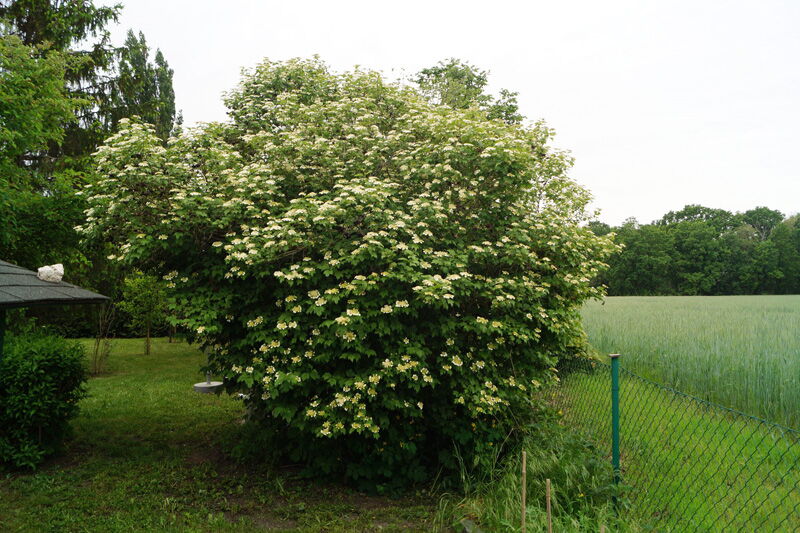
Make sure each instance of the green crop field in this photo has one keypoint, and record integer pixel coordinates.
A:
(740, 351)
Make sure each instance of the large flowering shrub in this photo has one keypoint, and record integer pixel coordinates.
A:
(386, 280)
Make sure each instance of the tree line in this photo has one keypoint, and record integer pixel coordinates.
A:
(704, 251)
(64, 88)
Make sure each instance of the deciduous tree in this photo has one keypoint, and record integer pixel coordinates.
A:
(34, 108)
(459, 85)
(763, 219)
(145, 301)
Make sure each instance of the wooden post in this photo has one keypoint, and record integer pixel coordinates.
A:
(3, 331)
(602, 528)
(549, 512)
(524, 488)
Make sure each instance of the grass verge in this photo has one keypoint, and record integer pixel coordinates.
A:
(581, 488)
(689, 466)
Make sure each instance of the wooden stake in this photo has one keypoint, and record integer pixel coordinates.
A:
(602, 528)
(524, 487)
(549, 513)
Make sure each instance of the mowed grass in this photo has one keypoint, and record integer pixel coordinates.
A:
(740, 351)
(687, 466)
(146, 456)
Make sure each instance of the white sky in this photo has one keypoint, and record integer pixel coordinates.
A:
(661, 103)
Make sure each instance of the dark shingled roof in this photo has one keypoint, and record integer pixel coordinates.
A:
(20, 287)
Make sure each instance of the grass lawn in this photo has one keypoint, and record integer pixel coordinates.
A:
(146, 456)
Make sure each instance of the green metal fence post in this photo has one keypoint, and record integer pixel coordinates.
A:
(615, 416)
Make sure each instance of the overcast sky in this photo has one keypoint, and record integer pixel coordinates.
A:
(662, 103)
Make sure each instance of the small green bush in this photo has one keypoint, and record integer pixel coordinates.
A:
(145, 301)
(41, 381)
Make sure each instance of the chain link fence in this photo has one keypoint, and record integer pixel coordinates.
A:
(686, 464)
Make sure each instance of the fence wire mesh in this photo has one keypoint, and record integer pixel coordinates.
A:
(687, 464)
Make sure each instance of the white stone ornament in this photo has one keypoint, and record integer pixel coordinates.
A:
(52, 273)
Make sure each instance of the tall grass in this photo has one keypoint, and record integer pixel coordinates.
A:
(582, 489)
(739, 351)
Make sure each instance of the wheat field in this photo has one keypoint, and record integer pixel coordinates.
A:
(740, 351)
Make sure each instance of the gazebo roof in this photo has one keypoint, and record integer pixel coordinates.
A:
(20, 287)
